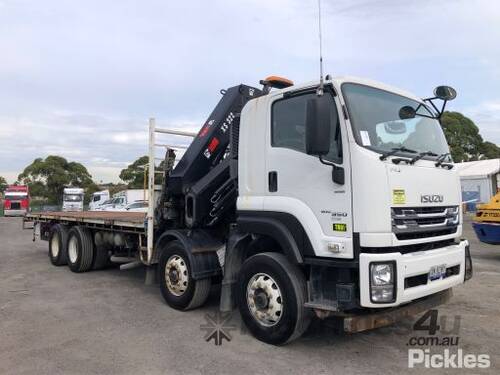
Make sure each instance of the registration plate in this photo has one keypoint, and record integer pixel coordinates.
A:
(437, 272)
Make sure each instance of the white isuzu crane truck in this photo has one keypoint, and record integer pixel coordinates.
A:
(335, 199)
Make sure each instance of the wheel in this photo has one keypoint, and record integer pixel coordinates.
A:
(58, 253)
(177, 286)
(101, 257)
(80, 249)
(271, 297)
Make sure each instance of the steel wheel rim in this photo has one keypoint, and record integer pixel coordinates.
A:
(176, 275)
(264, 299)
(72, 250)
(54, 245)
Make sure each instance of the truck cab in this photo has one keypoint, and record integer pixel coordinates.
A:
(16, 200)
(98, 198)
(73, 199)
(379, 200)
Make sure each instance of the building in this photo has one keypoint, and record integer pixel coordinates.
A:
(479, 180)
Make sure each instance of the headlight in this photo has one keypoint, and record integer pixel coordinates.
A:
(381, 274)
(382, 284)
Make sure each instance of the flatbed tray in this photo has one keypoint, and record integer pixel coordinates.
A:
(106, 218)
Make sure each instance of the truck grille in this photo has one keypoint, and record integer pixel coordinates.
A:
(423, 222)
(15, 205)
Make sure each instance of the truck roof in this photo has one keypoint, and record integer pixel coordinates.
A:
(73, 190)
(338, 81)
(101, 192)
(17, 188)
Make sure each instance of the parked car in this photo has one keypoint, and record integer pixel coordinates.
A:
(137, 206)
(113, 204)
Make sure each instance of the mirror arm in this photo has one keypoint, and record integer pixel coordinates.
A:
(419, 115)
(442, 109)
(338, 174)
(439, 112)
(326, 162)
(430, 100)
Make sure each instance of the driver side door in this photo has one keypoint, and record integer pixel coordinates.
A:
(300, 184)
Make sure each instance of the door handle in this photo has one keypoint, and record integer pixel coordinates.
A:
(273, 181)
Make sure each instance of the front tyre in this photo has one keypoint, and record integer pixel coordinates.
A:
(271, 297)
(177, 285)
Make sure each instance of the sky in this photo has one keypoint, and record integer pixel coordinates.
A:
(80, 79)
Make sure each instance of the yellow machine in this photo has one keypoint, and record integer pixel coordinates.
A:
(487, 221)
(489, 212)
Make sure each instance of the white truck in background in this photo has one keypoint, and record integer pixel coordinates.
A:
(121, 199)
(73, 199)
(98, 199)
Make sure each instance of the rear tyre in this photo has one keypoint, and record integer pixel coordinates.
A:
(271, 297)
(58, 253)
(80, 249)
(177, 286)
(101, 260)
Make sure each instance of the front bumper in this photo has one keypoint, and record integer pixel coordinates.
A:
(413, 264)
(363, 322)
(20, 212)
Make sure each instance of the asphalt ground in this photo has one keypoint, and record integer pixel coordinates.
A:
(53, 321)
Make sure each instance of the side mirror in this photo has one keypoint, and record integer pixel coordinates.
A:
(318, 125)
(445, 93)
(407, 112)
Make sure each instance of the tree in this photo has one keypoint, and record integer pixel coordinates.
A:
(134, 175)
(490, 151)
(3, 184)
(466, 144)
(462, 136)
(48, 177)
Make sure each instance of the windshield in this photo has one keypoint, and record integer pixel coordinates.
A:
(11, 197)
(377, 126)
(73, 197)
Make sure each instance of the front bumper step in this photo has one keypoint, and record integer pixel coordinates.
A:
(363, 322)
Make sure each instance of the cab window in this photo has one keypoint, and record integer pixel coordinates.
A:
(289, 125)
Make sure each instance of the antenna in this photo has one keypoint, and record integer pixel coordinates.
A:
(320, 90)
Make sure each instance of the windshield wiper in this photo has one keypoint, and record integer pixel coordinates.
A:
(441, 158)
(440, 161)
(421, 155)
(395, 150)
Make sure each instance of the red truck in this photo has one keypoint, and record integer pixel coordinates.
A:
(16, 201)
